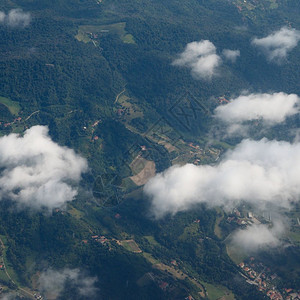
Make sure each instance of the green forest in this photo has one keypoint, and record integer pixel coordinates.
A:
(99, 74)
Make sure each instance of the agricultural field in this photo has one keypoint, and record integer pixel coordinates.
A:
(100, 75)
(127, 108)
(143, 170)
(236, 255)
(152, 241)
(131, 246)
(93, 33)
(13, 106)
(215, 292)
(218, 229)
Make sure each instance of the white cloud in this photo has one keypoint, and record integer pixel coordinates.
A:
(52, 283)
(259, 172)
(231, 55)
(36, 172)
(8, 296)
(201, 58)
(258, 237)
(271, 109)
(277, 45)
(2, 17)
(15, 18)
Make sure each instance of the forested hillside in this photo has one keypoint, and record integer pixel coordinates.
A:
(101, 75)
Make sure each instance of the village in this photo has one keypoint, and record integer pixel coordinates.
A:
(240, 219)
(256, 273)
(7, 124)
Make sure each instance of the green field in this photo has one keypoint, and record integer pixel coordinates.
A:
(295, 236)
(150, 258)
(215, 292)
(13, 106)
(75, 212)
(8, 266)
(218, 229)
(152, 240)
(128, 39)
(190, 231)
(3, 276)
(131, 106)
(235, 255)
(131, 246)
(273, 4)
(83, 34)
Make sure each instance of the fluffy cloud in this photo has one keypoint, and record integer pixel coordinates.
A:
(52, 283)
(15, 18)
(231, 55)
(258, 237)
(269, 108)
(2, 16)
(277, 45)
(201, 58)
(259, 172)
(8, 296)
(36, 172)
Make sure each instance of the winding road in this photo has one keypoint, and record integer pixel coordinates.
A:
(8, 276)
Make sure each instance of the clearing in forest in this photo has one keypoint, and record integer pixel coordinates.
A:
(13, 106)
(90, 33)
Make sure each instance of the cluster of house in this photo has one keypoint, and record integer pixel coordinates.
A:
(17, 120)
(291, 294)
(93, 35)
(237, 218)
(199, 151)
(96, 123)
(93, 125)
(94, 137)
(100, 239)
(160, 281)
(265, 281)
(123, 111)
(196, 149)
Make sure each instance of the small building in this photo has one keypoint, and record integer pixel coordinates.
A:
(163, 285)
(174, 262)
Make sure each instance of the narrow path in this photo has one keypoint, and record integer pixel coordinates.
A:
(35, 112)
(256, 279)
(8, 276)
(118, 96)
(2, 244)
